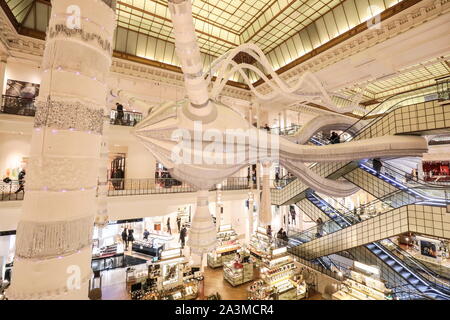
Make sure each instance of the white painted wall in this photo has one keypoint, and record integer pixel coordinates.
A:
(22, 71)
(13, 148)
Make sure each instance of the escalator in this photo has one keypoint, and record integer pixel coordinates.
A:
(425, 281)
(428, 193)
(387, 123)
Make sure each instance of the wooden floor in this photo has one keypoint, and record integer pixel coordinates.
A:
(214, 283)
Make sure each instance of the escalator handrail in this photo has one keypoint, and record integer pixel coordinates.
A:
(419, 265)
(418, 276)
(381, 247)
(402, 174)
(349, 212)
(416, 194)
(392, 108)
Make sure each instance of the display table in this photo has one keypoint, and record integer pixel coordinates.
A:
(108, 257)
(277, 273)
(260, 245)
(358, 286)
(151, 248)
(171, 278)
(237, 276)
(108, 262)
(227, 246)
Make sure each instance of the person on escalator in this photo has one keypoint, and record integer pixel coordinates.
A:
(319, 227)
(334, 138)
(377, 165)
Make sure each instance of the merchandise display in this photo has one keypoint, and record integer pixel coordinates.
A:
(259, 150)
(237, 272)
(108, 257)
(260, 244)
(152, 247)
(171, 278)
(278, 278)
(227, 246)
(362, 285)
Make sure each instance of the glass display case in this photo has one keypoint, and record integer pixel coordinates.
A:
(278, 273)
(260, 245)
(358, 286)
(107, 257)
(237, 275)
(152, 247)
(227, 246)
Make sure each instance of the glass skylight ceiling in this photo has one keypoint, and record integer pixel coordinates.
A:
(284, 29)
(410, 78)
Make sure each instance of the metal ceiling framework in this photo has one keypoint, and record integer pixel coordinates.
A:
(286, 30)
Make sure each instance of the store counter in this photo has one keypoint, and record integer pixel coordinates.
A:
(237, 276)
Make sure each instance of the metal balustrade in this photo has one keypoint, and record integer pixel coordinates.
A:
(132, 187)
(18, 106)
(26, 107)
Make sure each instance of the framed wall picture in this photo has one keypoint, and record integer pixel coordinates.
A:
(22, 89)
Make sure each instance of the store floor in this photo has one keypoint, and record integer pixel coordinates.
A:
(114, 286)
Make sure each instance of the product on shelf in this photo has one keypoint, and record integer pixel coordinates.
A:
(237, 273)
(152, 247)
(278, 278)
(260, 244)
(108, 257)
(360, 286)
(171, 278)
(227, 246)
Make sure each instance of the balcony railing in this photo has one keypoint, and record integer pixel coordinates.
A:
(26, 107)
(18, 106)
(132, 187)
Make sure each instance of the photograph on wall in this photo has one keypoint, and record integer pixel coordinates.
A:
(428, 249)
(22, 89)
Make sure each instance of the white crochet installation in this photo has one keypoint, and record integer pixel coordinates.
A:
(192, 128)
(306, 89)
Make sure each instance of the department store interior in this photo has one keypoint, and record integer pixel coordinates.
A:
(230, 150)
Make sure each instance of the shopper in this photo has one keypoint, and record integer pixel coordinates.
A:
(125, 238)
(293, 213)
(179, 224)
(280, 234)
(269, 231)
(169, 230)
(130, 237)
(146, 234)
(183, 234)
(319, 227)
(21, 181)
(266, 127)
(377, 165)
(334, 138)
(284, 237)
(119, 116)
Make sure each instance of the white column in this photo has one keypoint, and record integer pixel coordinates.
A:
(202, 234)
(250, 230)
(54, 234)
(2, 76)
(265, 212)
(285, 118)
(218, 206)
